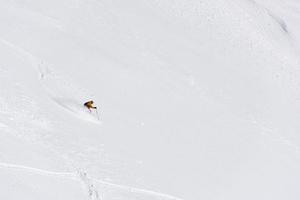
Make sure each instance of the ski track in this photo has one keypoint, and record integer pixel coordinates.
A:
(33, 60)
(88, 184)
(77, 110)
(36, 170)
(69, 105)
(86, 181)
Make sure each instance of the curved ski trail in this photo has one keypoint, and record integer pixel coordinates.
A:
(94, 187)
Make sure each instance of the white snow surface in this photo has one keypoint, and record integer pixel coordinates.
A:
(197, 99)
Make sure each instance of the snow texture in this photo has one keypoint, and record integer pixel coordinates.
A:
(197, 99)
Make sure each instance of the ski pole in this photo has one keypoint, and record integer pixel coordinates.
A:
(97, 114)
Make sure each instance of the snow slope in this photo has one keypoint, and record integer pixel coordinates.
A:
(197, 99)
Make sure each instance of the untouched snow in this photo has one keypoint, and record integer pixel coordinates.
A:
(196, 99)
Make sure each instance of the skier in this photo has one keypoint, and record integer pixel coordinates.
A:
(89, 105)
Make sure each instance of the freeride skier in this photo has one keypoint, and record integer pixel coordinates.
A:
(89, 105)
